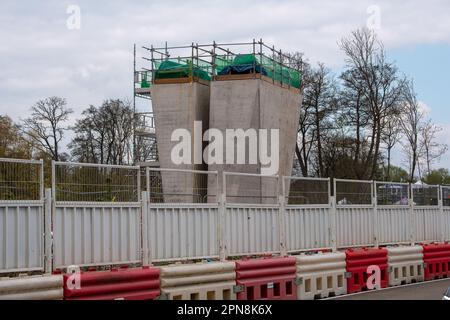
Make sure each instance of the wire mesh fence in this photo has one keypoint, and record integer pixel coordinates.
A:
(79, 182)
(306, 191)
(181, 186)
(353, 192)
(392, 193)
(21, 179)
(243, 188)
(446, 196)
(425, 195)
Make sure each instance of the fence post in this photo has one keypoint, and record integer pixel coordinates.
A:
(412, 220)
(144, 232)
(376, 231)
(282, 225)
(333, 222)
(48, 207)
(221, 227)
(441, 214)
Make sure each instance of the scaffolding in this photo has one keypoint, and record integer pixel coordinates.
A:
(204, 63)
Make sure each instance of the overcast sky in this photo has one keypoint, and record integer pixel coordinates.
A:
(40, 56)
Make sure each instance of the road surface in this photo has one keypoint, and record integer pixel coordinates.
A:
(431, 290)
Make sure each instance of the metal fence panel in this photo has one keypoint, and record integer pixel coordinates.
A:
(21, 234)
(307, 228)
(177, 232)
(427, 222)
(21, 215)
(394, 224)
(181, 186)
(87, 182)
(354, 226)
(252, 229)
(247, 188)
(306, 191)
(93, 234)
(353, 192)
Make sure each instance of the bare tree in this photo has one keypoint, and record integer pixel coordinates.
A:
(45, 125)
(319, 101)
(375, 83)
(104, 134)
(390, 138)
(411, 124)
(430, 149)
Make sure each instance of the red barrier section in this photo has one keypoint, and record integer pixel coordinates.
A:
(267, 279)
(437, 260)
(123, 284)
(357, 263)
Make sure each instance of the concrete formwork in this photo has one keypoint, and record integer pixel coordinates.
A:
(177, 106)
(257, 104)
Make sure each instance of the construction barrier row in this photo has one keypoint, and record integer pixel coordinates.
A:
(304, 277)
(32, 288)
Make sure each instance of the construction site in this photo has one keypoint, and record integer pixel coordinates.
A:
(221, 86)
(213, 230)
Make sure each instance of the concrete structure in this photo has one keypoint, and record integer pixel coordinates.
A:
(177, 106)
(256, 103)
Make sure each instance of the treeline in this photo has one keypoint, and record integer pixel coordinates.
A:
(349, 124)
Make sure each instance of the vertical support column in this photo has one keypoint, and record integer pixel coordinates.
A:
(48, 207)
(144, 231)
(375, 221)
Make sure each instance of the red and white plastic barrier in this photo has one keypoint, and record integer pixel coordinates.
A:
(266, 279)
(118, 284)
(437, 261)
(364, 263)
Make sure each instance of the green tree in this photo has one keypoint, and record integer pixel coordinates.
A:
(12, 143)
(439, 176)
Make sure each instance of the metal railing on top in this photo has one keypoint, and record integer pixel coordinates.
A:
(21, 179)
(83, 182)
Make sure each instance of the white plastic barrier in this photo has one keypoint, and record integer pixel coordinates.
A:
(205, 281)
(321, 275)
(405, 265)
(32, 288)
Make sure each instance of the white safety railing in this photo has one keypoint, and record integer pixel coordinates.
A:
(393, 212)
(355, 220)
(307, 213)
(22, 219)
(96, 214)
(100, 216)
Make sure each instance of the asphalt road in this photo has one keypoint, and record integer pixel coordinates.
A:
(432, 290)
